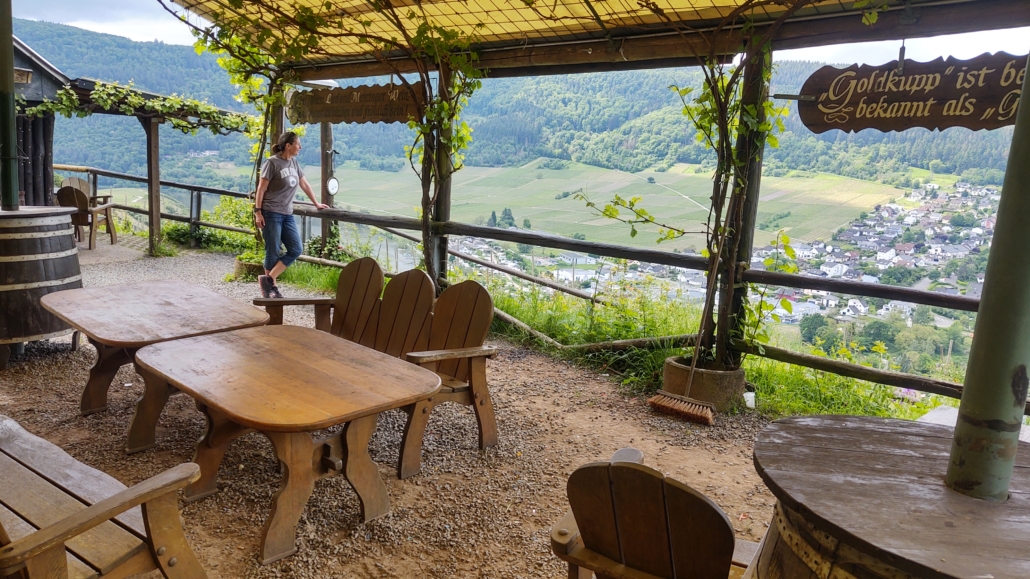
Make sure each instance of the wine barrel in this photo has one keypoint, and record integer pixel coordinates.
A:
(37, 256)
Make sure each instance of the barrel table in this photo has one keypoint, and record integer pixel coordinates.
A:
(864, 498)
(37, 256)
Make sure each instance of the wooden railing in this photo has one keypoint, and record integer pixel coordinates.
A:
(693, 262)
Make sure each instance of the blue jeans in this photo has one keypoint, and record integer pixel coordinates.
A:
(280, 229)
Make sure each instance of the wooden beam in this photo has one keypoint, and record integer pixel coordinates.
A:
(657, 48)
(326, 142)
(151, 126)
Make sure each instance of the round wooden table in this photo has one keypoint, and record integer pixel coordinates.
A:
(862, 497)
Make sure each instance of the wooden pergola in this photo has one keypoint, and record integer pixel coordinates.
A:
(527, 37)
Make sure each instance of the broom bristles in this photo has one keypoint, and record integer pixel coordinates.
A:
(688, 408)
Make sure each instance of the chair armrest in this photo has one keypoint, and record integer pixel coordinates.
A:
(564, 534)
(100, 198)
(262, 302)
(455, 354)
(97, 208)
(168, 481)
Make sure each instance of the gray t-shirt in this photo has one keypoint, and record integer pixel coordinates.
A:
(283, 179)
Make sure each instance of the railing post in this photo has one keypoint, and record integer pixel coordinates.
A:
(94, 182)
(445, 164)
(326, 130)
(195, 203)
(151, 126)
(983, 453)
(8, 140)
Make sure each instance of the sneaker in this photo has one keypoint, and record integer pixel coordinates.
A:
(266, 284)
(274, 292)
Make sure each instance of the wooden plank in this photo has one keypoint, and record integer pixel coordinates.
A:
(407, 301)
(152, 126)
(60, 469)
(700, 534)
(103, 547)
(266, 378)
(17, 528)
(359, 286)
(590, 496)
(639, 497)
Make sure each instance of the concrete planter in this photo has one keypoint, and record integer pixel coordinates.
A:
(723, 388)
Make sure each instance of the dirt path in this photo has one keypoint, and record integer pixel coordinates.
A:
(467, 514)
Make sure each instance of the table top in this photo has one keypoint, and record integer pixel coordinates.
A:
(134, 315)
(879, 485)
(288, 378)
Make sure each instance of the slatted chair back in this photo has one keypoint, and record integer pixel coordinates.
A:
(357, 292)
(76, 182)
(461, 319)
(636, 516)
(72, 197)
(399, 322)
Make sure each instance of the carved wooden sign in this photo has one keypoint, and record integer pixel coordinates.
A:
(982, 93)
(359, 104)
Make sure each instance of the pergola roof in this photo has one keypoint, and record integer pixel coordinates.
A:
(528, 36)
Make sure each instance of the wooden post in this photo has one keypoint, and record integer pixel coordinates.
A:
(445, 164)
(196, 200)
(278, 123)
(38, 157)
(983, 452)
(48, 159)
(8, 150)
(151, 126)
(326, 130)
(751, 146)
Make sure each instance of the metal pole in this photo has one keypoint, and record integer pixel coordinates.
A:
(8, 140)
(983, 453)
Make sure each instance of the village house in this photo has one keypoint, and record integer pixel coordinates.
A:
(834, 269)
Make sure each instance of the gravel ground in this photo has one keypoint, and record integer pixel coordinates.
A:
(469, 513)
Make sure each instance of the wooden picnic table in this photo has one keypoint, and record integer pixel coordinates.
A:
(287, 382)
(118, 320)
(865, 497)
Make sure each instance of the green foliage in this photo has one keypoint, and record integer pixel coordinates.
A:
(526, 224)
(963, 220)
(902, 276)
(810, 325)
(311, 277)
(554, 164)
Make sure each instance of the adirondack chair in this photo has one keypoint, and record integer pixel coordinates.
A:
(460, 321)
(62, 519)
(88, 215)
(630, 521)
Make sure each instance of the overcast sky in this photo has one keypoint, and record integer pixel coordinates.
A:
(146, 20)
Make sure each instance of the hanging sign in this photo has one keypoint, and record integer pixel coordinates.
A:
(982, 93)
(358, 104)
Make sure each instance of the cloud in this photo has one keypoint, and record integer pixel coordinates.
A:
(964, 46)
(142, 20)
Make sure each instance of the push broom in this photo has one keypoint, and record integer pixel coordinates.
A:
(684, 406)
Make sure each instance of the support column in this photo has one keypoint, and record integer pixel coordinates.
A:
(8, 140)
(442, 208)
(991, 413)
(750, 145)
(326, 134)
(151, 126)
(278, 123)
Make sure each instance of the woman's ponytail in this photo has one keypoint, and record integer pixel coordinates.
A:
(287, 138)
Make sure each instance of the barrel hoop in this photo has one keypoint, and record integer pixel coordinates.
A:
(38, 256)
(37, 234)
(34, 285)
(823, 567)
(10, 223)
(37, 337)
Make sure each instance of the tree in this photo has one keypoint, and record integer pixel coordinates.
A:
(877, 331)
(810, 325)
(524, 247)
(507, 219)
(492, 222)
(934, 275)
(923, 315)
(526, 224)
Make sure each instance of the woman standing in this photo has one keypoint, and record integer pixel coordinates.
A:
(273, 210)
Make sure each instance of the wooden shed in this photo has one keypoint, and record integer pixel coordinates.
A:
(35, 80)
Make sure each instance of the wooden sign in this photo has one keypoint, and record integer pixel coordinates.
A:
(982, 93)
(22, 76)
(359, 104)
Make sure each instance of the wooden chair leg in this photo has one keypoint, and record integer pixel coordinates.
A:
(577, 572)
(275, 315)
(168, 543)
(76, 338)
(295, 451)
(110, 227)
(93, 233)
(5, 355)
(410, 461)
(482, 404)
(52, 563)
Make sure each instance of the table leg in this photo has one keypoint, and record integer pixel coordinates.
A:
(143, 429)
(5, 355)
(295, 451)
(211, 450)
(361, 472)
(109, 360)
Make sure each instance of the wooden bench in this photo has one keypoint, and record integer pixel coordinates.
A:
(444, 334)
(60, 518)
(630, 521)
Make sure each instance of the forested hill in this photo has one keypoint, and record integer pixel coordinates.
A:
(624, 120)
